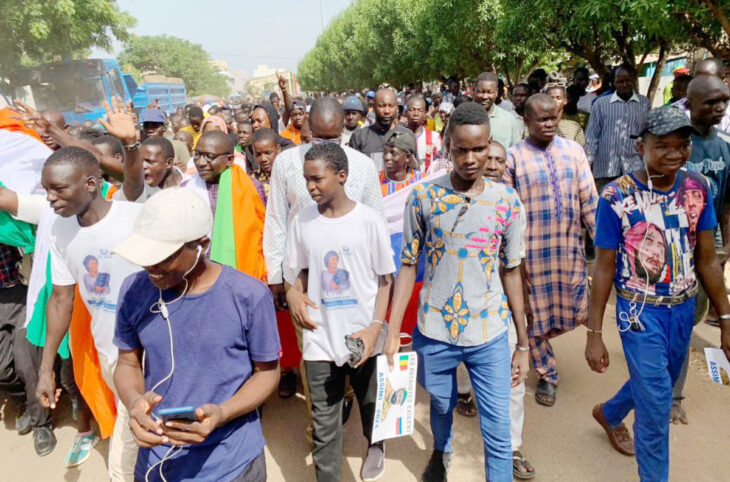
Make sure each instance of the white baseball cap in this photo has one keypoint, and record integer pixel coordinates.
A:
(168, 220)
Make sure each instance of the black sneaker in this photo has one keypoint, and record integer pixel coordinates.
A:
(437, 467)
(44, 440)
(22, 423)
(346, 410)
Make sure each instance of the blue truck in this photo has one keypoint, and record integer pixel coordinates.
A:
(78, 88)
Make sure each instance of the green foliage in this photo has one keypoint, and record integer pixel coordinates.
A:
(401, 41)
(34, 31)
(174, 57)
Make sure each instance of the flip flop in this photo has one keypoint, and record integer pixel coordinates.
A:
(545, 393)
(518, 460)
(465, 405)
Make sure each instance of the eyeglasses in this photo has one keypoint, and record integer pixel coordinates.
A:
(319, 140)
(208, 156)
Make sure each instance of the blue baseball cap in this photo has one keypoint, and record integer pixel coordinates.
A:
(353, 103)
(370, 94)
(154, 115)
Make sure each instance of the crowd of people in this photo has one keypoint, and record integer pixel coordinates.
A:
(147, 263)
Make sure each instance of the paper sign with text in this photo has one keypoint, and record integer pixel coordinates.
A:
(396, 398)
(718, 366)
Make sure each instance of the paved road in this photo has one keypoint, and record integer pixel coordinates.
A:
(563, 442)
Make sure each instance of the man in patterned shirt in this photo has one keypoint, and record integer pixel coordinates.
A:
(553, 180)
(464, 221)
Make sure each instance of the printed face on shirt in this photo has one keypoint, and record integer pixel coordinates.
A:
(665, 154)
(468, 146)
(693, 201)
(651, 255)
(259, 119)
(92, 267)
(485, 93)
(265, 152)
(496, 162)
(69, 190)
(155, 166)
(211, 159)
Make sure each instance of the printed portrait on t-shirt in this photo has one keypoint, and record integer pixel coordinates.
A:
(335, 280)
(692, 195)
(659, 231)
(95, 282)
(646, 249)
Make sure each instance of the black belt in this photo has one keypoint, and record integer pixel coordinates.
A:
(636, 297)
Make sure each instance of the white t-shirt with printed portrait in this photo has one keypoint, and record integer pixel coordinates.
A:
(344, 256)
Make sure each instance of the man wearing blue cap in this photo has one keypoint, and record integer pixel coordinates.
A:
(154, 124)
(654, 235)
(354, 114)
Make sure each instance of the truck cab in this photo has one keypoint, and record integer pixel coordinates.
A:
(77, 88)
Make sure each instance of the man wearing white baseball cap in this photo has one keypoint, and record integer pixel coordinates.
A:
(221, 325)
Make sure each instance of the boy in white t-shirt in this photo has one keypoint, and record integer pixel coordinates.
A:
(81, 240)
(342, 251)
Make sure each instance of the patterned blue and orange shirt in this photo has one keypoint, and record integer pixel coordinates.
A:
(462, 301)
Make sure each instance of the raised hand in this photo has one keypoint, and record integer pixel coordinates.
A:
(282, 81)
(119, 122)
(31, 117)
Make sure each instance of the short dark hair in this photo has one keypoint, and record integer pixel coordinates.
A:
(415, 97)
(534, 99)
(685, 78)
(195, 111)
(114, 144)
(468, 114)
(264, 135)
(626, 68)
(486, 77)
(220, 137)
(332, 154)
(165, 146)
(328, 105)
(88, 134)
(273, 96)
(582, 70)
(77, 157)
(555, 87)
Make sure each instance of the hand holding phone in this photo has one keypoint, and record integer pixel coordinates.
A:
(177, 413)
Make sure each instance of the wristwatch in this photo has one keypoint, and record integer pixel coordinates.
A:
(131, 147)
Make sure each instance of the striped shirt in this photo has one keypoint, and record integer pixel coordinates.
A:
(613, 121)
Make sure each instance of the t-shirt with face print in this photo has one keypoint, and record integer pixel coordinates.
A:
(654, 232)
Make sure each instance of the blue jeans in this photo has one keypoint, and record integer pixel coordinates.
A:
(655, 359)
(489, 367)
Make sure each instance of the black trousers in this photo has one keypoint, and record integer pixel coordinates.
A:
(327, 389)
(19, 360)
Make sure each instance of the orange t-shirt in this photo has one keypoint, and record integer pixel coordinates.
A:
(293, 134)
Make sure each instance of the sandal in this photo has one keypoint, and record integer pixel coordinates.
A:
(287, 385)
(545, 393)
(521, 468)
(677, 414)
(465, 405)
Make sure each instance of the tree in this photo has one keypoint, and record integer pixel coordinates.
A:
(706, 23)
(175, 57)
(36, 31)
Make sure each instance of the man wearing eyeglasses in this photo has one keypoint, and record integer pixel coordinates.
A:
(288, 195)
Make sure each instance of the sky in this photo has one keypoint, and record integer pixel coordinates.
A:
(244, 33)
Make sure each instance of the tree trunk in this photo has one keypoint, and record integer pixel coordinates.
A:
(654, 83)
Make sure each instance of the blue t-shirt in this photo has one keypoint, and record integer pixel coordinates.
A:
(654, 234)
(217, 335)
